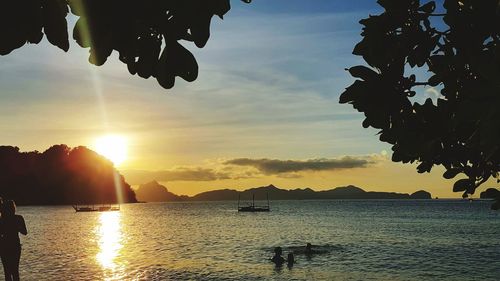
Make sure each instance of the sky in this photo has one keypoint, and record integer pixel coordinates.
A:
(263, 110)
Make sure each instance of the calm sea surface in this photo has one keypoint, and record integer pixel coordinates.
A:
(359, 240)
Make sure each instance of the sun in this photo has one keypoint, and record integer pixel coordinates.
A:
(113, 147)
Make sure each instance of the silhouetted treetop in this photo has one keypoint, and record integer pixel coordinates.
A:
(491, 193)
(146, 34)
(60, 175)
(457, 52)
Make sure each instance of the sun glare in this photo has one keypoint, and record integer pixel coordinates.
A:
(113, 147)
(109, 238)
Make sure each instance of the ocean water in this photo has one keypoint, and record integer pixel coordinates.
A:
(358, 240)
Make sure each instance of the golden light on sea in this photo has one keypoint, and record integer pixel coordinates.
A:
(109, 237)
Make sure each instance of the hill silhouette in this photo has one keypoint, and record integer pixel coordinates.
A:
(421, 194)
(490, 193)
(60, 175)
(275, 193)
(155, 192)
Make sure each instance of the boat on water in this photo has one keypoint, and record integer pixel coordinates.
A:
(96, 208)
(252, 207)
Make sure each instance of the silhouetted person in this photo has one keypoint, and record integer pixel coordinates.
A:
(10, 227)
(277, 258)
(290, 260)
(309, 251)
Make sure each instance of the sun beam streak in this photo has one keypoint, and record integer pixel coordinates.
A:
(118, 187)
(86, 36)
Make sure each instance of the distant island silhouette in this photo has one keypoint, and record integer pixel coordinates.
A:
(155, 192)
(63, 176)
(60, 176)
(490, 193)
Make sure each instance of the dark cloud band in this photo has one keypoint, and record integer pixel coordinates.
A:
(181, 174)
(275, 166)
(264, 166)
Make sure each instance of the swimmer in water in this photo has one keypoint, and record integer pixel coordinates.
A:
(277, 259)
(309, 250)
(290, 260)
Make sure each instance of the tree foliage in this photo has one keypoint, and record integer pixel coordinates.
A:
(458, 50)
(60, 175)
(146, 34)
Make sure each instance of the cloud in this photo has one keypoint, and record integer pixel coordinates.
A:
(176, 174)
(277, 167)
(248, 168)
(290, 176)
(432, 92)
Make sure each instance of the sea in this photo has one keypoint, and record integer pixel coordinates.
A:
(353, 239)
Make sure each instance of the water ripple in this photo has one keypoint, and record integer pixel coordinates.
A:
(358, 240)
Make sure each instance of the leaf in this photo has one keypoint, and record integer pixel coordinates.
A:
(420, 55)
(434, 80)
(132, 67)
(200, 21)
(451, 173)
(183, 63)
(175, 60)
(428, 7)
(149, 52)
(200, 28)
(33, 11)
(366, 123)
(353, 92)
(221, 7)
(360, 49)
(363, 72)
(462, 185)
(99, 54)
(54, 22)
(424, 167)
(164, 76)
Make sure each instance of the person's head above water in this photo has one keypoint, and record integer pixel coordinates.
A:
(9, 208)
(278, 251)
(308, 246)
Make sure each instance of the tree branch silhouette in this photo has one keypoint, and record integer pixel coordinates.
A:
(461, 53)
(146, 34)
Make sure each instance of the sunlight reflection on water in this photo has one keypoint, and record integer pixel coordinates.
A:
(364, 240)
(109, 235)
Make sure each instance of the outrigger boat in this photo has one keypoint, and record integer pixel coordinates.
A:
(96, 208)
(252, 207)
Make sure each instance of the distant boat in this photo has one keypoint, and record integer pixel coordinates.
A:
(96, 208)
(252, 207)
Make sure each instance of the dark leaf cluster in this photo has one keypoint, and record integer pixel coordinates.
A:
(146, 34)
(60, 175)
(460, 50)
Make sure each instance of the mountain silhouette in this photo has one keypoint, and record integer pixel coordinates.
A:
(155, 192)
(60, 176)
(160, 193)
(421, 194)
